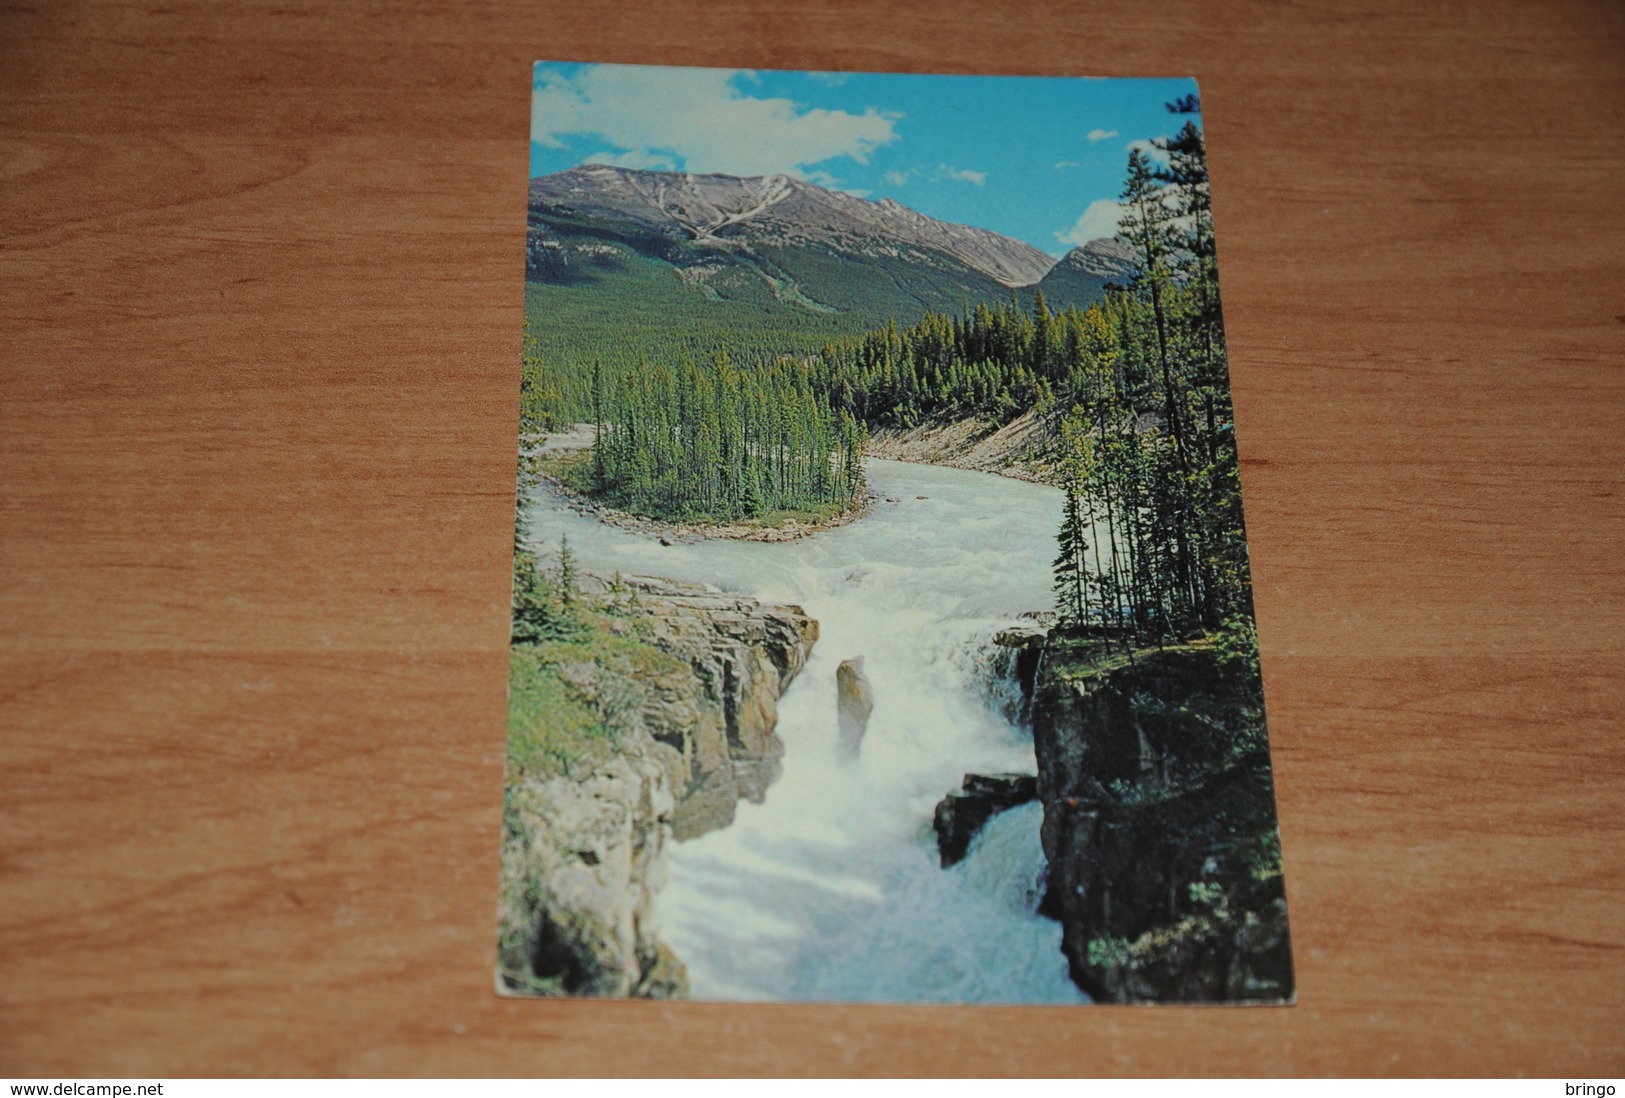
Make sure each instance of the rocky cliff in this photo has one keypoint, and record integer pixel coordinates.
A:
(685, 684)
(722, 714)
(1159, 824)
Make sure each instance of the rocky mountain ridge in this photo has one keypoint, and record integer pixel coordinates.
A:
(1108, 257)
(777, 264)
(1084, 272)
(723, 211)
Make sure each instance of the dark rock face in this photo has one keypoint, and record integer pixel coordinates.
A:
(963, 812)
(545, 258)
(1159, 828)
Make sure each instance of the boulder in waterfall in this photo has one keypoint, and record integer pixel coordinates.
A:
(854, 702)
(963, 813)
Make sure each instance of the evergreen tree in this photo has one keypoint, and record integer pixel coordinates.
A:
(567, 587)
(1148, 227)
(599, 444)
(539, 398)
(1071, 566)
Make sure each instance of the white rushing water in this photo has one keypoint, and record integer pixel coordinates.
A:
(831, 889)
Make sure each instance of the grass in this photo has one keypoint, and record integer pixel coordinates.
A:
(1074, 657)
(772, 520)
(571, 700)
(550, 728)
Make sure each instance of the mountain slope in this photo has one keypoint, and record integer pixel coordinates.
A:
(625, 266)
(722, 212)
(1083, 273)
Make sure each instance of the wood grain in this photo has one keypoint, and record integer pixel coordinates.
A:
(260, 274)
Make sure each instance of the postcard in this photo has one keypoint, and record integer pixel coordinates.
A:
(882, 625)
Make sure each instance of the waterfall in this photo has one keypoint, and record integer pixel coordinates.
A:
(831, 888)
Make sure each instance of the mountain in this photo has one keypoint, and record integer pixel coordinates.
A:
(1082, 274)
(622, 265)
(724, 213)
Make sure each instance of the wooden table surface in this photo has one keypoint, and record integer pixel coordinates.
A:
(260, 289)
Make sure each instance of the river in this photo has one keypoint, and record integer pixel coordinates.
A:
(831, 890)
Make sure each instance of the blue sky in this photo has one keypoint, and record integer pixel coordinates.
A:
(1041, 159)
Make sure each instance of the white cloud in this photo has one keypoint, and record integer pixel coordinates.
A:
(1158, 156)
(1100, 135)
(963, 175)
(638, 158)
(832, 183)
(941, 172)
(1059, 164)
(699, 118)
(1099, 220)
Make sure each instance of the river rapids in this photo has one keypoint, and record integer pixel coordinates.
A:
(831, 889)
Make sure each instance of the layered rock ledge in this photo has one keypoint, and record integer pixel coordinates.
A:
(583, 852)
